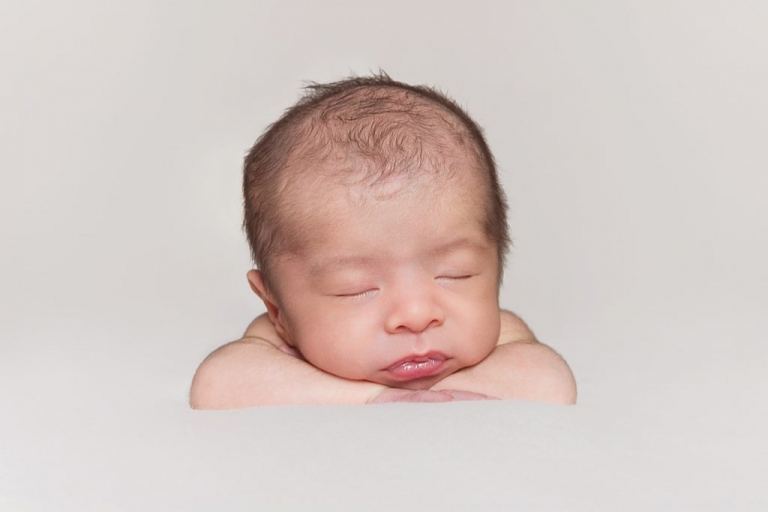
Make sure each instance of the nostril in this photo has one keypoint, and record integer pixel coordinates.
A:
(417, 325)
(414, 316)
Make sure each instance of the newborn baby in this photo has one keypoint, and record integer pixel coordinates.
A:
(378, 227)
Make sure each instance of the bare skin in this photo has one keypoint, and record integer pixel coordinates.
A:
(261, 369)
(389, 292)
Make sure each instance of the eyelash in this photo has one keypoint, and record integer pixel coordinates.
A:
(454, 278)
(360, 295)
(367, 293)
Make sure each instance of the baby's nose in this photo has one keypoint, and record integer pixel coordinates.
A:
(415, 312)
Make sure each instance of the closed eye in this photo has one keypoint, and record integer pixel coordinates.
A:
(365, 293)
(454, 278)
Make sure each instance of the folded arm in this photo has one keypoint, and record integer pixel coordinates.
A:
(522, 371)
(260, 369)
(518, 368)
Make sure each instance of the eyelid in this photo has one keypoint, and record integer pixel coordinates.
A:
(456, 278)
(358, 295)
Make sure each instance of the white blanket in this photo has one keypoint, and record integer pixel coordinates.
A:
(122, 438)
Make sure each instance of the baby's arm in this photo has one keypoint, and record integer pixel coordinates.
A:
(519, 367)
(255, 370)
(260, 369)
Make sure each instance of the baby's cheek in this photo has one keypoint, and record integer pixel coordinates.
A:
(478, 351)
(329, 351)
(481, 340)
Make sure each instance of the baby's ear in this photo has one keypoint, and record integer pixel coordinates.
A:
(256, 281)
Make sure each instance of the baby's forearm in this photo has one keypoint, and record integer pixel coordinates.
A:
(252, 372)
(518, 370)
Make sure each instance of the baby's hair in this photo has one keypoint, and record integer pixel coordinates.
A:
(382, 127)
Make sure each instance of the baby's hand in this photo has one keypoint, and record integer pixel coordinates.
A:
(390, 395)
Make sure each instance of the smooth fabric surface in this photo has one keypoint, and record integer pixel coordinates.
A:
(77, 449)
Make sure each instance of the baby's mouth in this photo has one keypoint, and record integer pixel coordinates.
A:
(417, 367)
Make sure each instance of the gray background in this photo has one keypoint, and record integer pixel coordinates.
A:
(632, 138)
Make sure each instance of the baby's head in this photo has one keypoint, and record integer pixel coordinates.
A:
(378, 226)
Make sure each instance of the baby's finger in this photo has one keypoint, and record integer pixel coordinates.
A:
(458, 394)
(407, 395)
(427, 395)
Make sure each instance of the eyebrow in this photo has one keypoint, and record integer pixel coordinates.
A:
(341, 262)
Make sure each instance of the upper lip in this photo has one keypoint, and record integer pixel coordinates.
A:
(437, 356)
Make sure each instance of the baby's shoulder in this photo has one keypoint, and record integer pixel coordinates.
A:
(537, 365)
(262, 328)
(514, 329)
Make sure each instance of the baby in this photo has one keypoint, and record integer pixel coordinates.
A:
(378, 227)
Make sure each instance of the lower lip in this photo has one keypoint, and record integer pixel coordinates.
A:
(411, 370)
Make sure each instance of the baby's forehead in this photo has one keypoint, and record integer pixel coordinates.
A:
(339, 220)
(312, 211)
(410, 179)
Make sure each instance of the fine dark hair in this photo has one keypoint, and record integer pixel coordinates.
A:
(376, 118)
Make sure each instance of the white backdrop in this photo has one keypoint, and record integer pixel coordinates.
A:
(632, 139)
